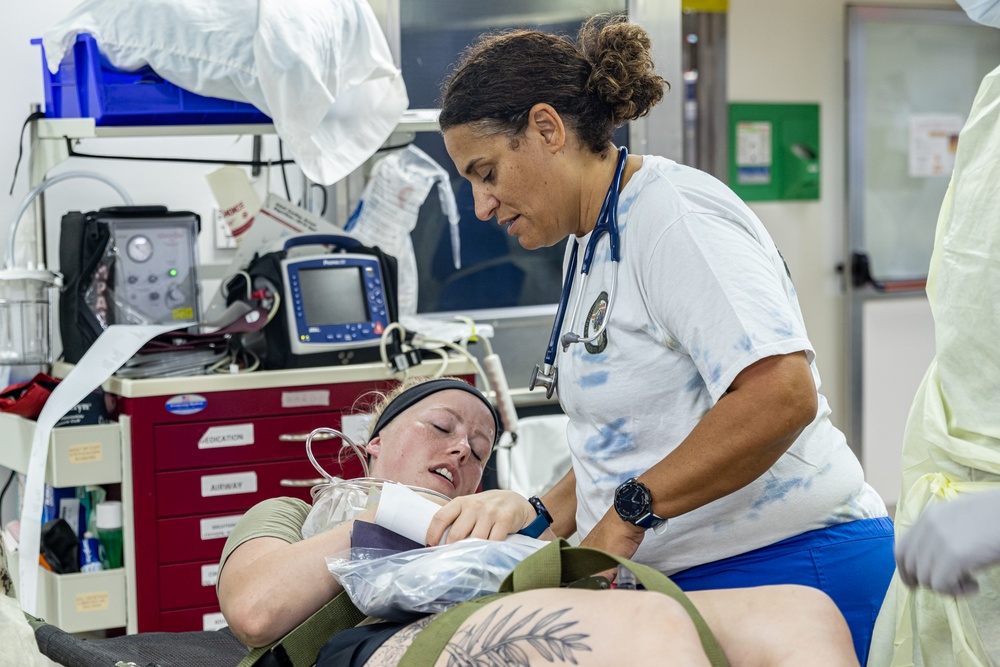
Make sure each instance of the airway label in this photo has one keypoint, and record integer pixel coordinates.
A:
(227, 436)
(228, 485)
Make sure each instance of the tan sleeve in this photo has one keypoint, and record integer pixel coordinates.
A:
(274, 517)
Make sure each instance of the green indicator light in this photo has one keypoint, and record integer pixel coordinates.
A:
(172, 273)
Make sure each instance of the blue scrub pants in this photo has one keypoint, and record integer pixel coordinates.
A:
(850, 562)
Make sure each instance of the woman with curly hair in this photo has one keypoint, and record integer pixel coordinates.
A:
(700, 443)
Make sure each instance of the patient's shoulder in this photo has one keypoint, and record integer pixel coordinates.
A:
(275, 517)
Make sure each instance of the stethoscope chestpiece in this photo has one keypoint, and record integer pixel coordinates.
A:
(545, 378)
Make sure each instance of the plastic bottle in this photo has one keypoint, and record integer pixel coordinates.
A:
(90, 554)
(109, 531)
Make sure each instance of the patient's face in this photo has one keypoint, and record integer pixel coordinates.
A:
(441, 443)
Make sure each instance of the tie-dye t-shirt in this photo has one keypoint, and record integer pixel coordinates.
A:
(702, 294)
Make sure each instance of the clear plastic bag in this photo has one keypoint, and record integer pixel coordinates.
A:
(400, 586)
(337, 500)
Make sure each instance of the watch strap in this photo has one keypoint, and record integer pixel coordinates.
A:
(541, 522)
(649, 521)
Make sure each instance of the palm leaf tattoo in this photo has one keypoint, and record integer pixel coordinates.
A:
(500, 643)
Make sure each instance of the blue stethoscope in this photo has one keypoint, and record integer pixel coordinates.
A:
(607, 223)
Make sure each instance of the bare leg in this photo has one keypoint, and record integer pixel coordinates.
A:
(567, 626)
(776, 626)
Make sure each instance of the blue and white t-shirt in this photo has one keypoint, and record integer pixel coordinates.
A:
(702, 294)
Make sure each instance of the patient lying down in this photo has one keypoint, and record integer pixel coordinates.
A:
(439, 434)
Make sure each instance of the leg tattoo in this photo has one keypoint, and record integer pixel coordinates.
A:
(504, 641)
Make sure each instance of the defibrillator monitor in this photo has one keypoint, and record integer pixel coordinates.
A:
(334, 302)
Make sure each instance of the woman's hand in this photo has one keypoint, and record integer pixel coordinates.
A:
(615, 536)
(490, 515)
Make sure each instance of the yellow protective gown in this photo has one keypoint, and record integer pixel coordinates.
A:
(952, 439)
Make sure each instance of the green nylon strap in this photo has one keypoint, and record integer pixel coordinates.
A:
(34, 621)
(554, 565)
(578, 562)
(302, 644)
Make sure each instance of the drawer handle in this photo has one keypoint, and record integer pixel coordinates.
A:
(298, 483)
(302, 437)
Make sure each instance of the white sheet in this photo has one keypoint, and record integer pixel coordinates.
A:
(321, 70)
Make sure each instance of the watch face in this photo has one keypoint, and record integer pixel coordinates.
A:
(632, 501)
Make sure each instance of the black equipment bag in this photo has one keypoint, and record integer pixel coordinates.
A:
(271, 344)
(82, 243)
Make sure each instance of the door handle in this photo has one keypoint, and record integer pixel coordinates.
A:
(301, 437)
(299, 483)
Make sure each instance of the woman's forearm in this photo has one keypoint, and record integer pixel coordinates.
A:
(268, 586)
(736, 442)
(560, 501)
(739, 439)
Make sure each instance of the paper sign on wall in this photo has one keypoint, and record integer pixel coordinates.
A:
(753, 153)
(933, 142)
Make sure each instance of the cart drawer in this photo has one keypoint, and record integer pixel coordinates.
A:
(188, 584)
(251, 440)
(78, 455)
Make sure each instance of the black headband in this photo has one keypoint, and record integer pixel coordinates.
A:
(419, 392)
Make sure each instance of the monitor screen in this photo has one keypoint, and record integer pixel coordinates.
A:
(333, 295)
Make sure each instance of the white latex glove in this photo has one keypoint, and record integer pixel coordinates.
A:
(986, 12)
(949, 542)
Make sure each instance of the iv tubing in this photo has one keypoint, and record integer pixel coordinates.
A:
(42, 187)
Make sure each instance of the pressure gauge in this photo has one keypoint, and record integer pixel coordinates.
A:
(139, 248)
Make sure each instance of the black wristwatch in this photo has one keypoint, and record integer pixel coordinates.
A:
(541, 522)
(634, 504)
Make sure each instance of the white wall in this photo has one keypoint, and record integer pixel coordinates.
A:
(794, 51)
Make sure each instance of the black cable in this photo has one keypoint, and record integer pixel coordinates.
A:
(34, 115)
(322, 189)
(394, 148)
(189, 160)
(284, 176)
(4, 493)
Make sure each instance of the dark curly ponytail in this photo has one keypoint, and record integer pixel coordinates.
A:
(604, 80)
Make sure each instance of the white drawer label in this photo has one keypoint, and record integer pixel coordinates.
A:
(214, 621)
(236, 435)
(218, 527)
(99, 601)
(209, 574)
(302, 399)
(228, 485)
(90, 452)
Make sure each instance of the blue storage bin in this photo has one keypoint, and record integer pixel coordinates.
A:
(87, 86)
